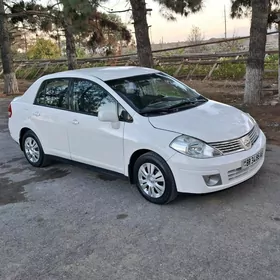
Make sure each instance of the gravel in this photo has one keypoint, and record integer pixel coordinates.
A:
(69, 222)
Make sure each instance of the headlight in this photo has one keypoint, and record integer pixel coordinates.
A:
(193, 147)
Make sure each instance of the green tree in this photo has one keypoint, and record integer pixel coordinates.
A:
(75, 18)
(82, 17)
(81, 52)
(43, 49)
(139, 12)
(243, 8)
(103, 30)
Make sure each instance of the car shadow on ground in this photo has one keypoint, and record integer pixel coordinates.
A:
(13, 191)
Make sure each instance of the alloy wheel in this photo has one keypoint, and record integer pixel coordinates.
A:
(151, 180)
(32, 150)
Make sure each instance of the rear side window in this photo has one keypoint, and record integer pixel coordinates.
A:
(54, 93)
(88, 97)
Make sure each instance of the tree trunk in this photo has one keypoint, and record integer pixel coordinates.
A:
(279, 60)
(10, 81)
(70, 44)
(255, 63)
(144, 49)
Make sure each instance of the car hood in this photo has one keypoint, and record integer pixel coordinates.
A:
(210, 122)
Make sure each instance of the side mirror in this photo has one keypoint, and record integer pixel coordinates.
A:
(108, 113)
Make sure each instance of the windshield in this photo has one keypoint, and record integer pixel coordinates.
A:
(156, 93)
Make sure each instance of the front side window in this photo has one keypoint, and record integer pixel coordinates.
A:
(54, 93)
(88, 97)
(155, 93)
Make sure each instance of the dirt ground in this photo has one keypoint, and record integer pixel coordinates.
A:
(229, 92)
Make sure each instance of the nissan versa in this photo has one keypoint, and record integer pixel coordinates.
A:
(141, 123)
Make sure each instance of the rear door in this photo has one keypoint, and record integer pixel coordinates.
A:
(50, 116)
(91, 141)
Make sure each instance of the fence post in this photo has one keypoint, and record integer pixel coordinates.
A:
(211, 72)
(192, 71)
(178, 69)
(30, 70)
(45, 69)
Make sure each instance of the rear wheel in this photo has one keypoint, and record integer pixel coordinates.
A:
(33, 150)
(154, 179)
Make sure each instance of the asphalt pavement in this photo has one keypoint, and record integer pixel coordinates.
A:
(69, 222)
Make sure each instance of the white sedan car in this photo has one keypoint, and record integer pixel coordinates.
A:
(142, 123)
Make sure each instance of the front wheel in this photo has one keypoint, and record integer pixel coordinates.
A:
(154, 179)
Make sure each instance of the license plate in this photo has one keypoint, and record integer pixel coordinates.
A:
(248, 162)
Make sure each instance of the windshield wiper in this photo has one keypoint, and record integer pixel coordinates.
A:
(166, 109)
(185, 102)
(158, 110)
(189, 102)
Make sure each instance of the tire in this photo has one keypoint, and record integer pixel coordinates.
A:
(33, 150)
(160, 187)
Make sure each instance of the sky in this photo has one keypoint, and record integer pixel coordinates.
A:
(210, 21)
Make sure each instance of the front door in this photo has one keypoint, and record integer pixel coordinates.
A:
(91, 141)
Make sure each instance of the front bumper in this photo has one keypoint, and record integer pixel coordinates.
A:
(188, 172)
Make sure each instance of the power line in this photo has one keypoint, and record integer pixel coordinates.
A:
(225, 15)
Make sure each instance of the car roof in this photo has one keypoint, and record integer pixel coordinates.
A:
(104, 73)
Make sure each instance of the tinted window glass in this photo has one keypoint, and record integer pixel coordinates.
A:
(40, 98)
(54, 93)
(89, 96)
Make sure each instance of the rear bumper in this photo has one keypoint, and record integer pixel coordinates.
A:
(188, 172)
(13, 133)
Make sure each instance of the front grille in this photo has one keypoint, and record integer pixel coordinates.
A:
(228, 147)
(236, 145)
(236, 173)
(254, 135)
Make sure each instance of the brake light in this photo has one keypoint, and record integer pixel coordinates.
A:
(10, 110)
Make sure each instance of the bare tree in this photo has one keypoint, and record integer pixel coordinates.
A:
(196, 37)
(10, 81)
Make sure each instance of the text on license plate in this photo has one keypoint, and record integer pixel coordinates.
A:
(252, 160)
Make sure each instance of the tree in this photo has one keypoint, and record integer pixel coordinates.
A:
(10, 81)
(139, 12)
(196, 37)
(81, 16)
(43, 49)
(144, 49)
(66, 12)
(243, 8)
(261, 16)
(255, 63)
(77, 19)
(103, 30)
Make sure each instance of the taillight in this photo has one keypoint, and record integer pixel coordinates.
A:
(10, 110)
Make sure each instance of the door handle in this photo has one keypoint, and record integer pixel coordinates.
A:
(36, 114)
(75, 122)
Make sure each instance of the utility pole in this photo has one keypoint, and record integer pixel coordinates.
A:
(225, 16)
